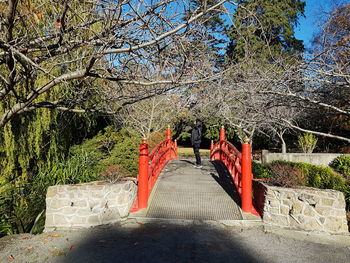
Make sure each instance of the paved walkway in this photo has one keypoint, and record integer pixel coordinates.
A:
(157, 242)
(186, 192)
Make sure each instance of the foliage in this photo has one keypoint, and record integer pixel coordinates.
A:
(155, 138)
(264, 28)
(317, 176)
(111, 148)
(341, 164)
(261, 170)
(307, 142)
(286, 175)
(22, 205)
(212, 131)
(112, 173)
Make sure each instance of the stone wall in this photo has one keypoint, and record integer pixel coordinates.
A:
(313, 158)
(89, 204)
(306, 208)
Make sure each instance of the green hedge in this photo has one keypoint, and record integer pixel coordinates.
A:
(341, 164)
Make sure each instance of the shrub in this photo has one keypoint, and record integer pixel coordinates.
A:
(155, 138)
(307, 142)
(317, 176)
(112, 148)
(341, 164)
(287, 175)
(113, 173)
(261, 171)
(27, 215)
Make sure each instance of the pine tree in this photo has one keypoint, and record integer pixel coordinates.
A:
(263, 28)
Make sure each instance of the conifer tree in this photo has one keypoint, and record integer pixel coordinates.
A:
(263, 28)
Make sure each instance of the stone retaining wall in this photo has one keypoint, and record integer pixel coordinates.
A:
(306, 208)
(87, 205)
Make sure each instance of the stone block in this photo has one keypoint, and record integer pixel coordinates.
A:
(96, 210)
(340, 202)
(74, 188)
(309, 211)
(279, 220)
(60, 220)
(94, 220)
(322, 210)
(94, 204)
(287, 203)
(270, 195)
(68, 211)
(327, 202)
(122, 199)
(289, 195)
(295, 223)
(123, 211)
(97, 195)
(338, 213)
(284, 210)
(86, 211)
(312, 224)
(274, 210)
(321, 219)
(49, 220)
(308, 198)
(97, 187)
(334, 224)
(76, 220)
(301, 219)
(51, 192)
(297, 208)
(80, 203)
(274, 203)
(109, 215)
(127, 186)
(60, 203)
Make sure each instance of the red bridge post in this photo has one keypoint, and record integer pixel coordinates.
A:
(168, 133)
(246, 177)
(222, 138)
(222, 133)
(142, 192)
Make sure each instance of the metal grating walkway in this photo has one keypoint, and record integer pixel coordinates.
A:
(185, 192)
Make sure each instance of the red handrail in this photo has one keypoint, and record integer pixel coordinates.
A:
(239, 166)
(150, 166)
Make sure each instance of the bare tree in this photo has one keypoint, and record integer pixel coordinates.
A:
(151, 115)
(47, 45)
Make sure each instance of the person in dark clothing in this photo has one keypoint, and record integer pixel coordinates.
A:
(196, 139)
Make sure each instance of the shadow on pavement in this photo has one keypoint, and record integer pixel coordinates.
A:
(224, 179)
(157, 242)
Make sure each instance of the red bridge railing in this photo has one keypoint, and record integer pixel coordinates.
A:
(239, 166)
(150, 166)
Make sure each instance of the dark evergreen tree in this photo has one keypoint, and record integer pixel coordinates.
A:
(264, 28)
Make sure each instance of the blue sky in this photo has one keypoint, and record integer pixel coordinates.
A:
(314, 11)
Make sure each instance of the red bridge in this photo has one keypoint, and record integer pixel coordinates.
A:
(172, 188)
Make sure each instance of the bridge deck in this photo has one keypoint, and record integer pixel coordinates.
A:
(185, 192)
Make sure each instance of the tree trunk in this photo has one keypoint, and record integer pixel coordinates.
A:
(284, 146)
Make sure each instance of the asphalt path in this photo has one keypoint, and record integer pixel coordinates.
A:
(155, 242)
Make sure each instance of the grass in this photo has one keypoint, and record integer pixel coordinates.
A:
(188, 152)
